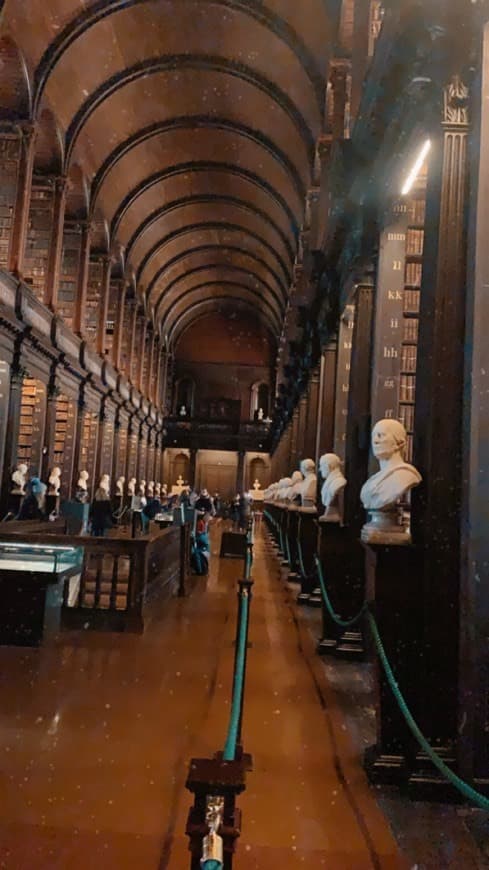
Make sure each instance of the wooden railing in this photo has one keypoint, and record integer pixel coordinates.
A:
(119, 575)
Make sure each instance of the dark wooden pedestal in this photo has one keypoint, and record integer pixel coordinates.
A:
(307, 535)
(30, 606)
(394, 588)
(343, 570)
(233, 545)
(291, 519)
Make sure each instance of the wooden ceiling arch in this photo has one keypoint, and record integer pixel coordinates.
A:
(191, 126)
(216, 271)
(227, 302)
(185, 169)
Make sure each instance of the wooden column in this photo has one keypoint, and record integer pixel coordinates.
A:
(119, 325)
(56, 244)
(360, 52)
(104, 305)
(132, 368)
(22, 200)
(294, 458)
(153, 356)
(358, 427)
(436, 514)
(240, 472)
(78, 438)
(327, 386)
(312, 416)
(343, 371)
(474, 615)
(81, 285)
(17, 373)
(142, 354)
(301, 428)
(49, 425)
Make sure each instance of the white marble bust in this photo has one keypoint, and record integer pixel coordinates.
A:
(384, 490)
(294, 493)
(83, 481)
(54, 481)
(308, 488)
(19, 479)
(131, 486)
(157, 490)
(151, 489)
(285, 485)
(334, 483)
(142, 487)
(105, 483)
(257, 485)
(119, 486)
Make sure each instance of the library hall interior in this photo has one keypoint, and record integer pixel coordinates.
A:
(244, 434)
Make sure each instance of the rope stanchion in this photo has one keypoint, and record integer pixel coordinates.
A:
(232, 735)
(343, 623)
(463, 787)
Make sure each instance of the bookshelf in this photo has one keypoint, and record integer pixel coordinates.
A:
(31, 424)
(9, 169)
(70, 262)
(39, 233)
(93, 302)
(411, 304)
(88, 443)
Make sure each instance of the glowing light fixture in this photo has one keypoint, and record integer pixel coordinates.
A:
(420, 159)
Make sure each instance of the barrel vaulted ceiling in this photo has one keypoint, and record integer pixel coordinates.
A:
(194, 125)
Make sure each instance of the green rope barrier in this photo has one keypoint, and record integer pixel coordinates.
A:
(464, 788)
(343, 623)
(301, 558)
(232, 735)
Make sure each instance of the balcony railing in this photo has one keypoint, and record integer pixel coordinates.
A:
(203, 433)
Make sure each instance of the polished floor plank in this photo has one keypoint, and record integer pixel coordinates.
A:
(97, 731)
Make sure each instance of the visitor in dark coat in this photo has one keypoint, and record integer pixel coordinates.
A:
(101, 513)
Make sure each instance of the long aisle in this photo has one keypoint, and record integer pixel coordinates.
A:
(96, 731)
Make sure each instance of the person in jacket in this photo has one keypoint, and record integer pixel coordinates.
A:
(101, 513)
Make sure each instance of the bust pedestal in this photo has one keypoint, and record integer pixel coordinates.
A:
(307, 535)
(394, 582)
(343, 577)
(291, 530)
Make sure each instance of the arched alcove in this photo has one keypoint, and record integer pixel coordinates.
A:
(184, 397)
(179, 467)
(260, 399)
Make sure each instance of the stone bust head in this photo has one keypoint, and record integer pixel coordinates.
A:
(330, 466)
(309, 484)
(383, 490)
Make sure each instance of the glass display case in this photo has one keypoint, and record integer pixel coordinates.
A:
(32, 586)
(41, 558)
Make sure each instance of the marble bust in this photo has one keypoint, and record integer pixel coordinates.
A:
(308, 486)
(119, 486)
(151, 488)
(157, 490)
(142, 487)
(257, 485)
(105, 483)
(55, 481)
(384, 490)
(131, 486)
(294, 493)
(19, 479)
(333, 486)
(83, 481)
(285, 485)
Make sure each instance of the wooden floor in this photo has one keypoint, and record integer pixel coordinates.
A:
(96, 731)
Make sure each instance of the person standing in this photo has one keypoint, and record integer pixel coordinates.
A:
(101, 513)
